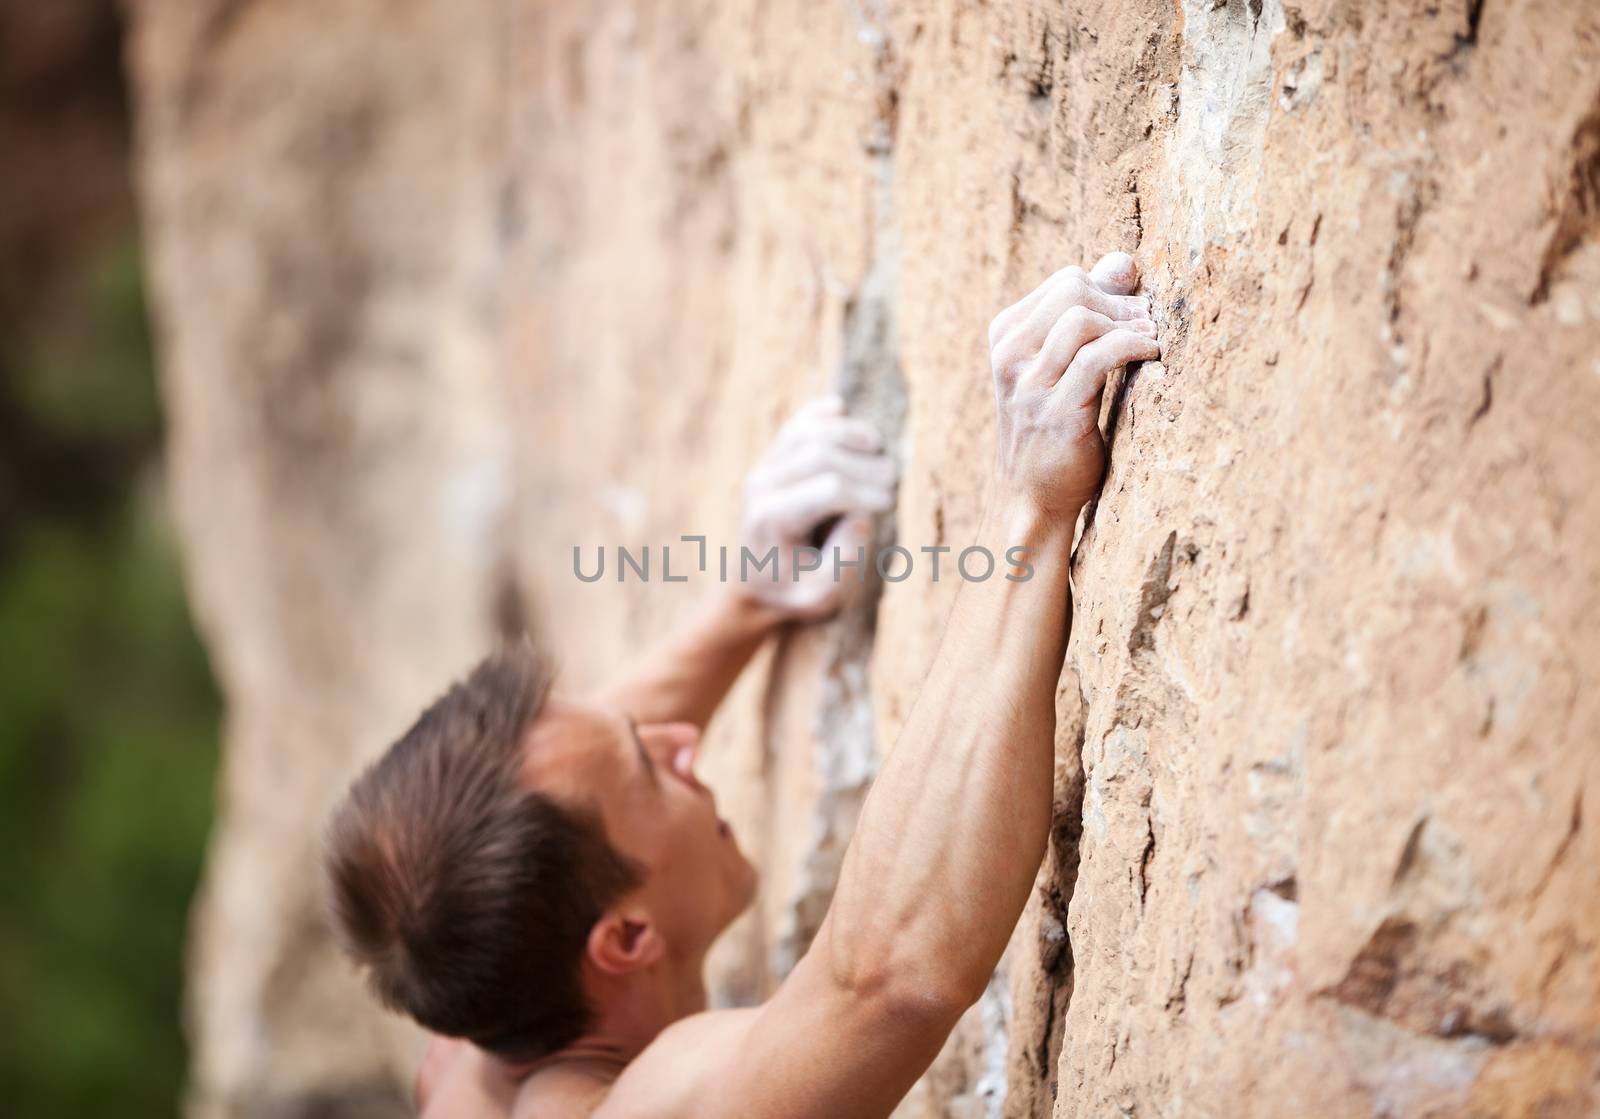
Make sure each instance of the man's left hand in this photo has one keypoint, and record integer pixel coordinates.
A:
(825, 475)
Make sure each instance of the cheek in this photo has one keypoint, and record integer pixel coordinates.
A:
(694, 818)
(676, 829)
(702, 847)
(646, 829)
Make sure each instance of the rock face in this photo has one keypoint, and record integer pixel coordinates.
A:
(320, 206)
(450, 290)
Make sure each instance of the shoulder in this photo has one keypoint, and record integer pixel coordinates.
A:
(675, 1071)
(458, 1081)
(559, 1095)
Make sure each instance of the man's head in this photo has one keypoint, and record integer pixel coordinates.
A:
(514, 857)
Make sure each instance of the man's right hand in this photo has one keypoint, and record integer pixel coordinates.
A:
(948, 845)
(1050, 354)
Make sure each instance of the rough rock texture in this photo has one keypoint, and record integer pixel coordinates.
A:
(1326, 763)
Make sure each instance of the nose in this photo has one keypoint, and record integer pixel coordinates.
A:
(685, 751)
(676, 746)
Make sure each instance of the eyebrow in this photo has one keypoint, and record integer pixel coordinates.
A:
(638, 743)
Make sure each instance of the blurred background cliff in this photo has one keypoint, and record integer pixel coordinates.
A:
(444, 288)
(108, 715)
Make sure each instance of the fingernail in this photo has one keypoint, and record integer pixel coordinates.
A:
(1144, 326)
(1141, 304)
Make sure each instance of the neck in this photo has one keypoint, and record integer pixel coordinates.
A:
(630, 1011)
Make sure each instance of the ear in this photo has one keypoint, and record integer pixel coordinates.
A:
(625, 940)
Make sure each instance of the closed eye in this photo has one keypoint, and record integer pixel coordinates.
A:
(645, 759)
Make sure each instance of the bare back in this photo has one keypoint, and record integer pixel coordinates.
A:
(459, 1081)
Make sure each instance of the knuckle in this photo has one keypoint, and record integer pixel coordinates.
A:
(859, 435)
(1079, 320)
(1010, 362)
(1099, 358)
(998, 326)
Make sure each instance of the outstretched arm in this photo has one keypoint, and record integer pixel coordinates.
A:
(955, 827)
(953, 833)
(685, 677)
(823, 469)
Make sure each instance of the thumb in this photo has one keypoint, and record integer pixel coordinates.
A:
(851, 536)
(852, 532)
(1115, 274)
(832, 584)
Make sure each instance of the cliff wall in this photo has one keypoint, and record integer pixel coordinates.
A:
(450, 289)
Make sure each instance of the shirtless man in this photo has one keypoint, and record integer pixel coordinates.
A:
(539, 877)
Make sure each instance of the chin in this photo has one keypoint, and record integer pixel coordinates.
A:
(748, 880)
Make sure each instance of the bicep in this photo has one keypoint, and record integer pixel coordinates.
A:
(818, 1051)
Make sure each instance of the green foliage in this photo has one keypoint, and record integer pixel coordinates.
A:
(108, 718)
(96, 383)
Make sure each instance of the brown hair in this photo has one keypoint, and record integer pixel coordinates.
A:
(468, 899)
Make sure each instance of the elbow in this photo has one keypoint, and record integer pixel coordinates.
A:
(914, 992)
(939, 998)
(904, 977)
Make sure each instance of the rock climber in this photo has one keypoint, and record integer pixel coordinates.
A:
(536, 877)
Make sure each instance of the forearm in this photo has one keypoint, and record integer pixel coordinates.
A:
(686, 677)
(951, 837)
(957, 822)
